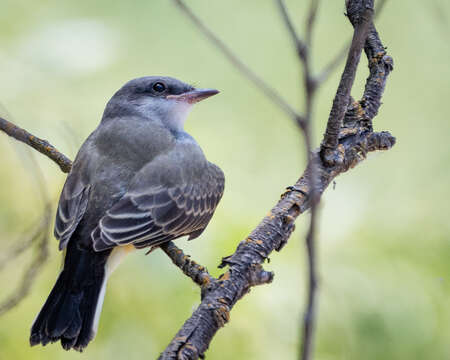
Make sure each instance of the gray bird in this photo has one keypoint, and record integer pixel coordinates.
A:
(139, 180)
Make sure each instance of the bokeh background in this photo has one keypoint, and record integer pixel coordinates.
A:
(384, 230)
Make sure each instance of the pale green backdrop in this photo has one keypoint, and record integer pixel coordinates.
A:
(384, 231)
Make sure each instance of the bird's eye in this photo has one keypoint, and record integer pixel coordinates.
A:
(159, 87)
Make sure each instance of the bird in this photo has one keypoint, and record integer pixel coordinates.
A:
(138, 181)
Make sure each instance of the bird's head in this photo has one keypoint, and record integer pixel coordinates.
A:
(157, 98)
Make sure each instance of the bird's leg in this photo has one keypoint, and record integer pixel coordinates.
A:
(152, 248)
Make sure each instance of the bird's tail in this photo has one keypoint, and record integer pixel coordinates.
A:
(72, 310)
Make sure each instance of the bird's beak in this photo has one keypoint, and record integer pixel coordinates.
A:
(194, 96)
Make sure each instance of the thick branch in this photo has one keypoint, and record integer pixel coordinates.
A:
(354, 141)
(362, 21)
(271, 234)
(380, 66)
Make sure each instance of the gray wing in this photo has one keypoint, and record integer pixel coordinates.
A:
(71, 208)
(157, 214)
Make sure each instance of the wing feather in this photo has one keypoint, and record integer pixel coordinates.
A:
(156, 215)
(71, 208)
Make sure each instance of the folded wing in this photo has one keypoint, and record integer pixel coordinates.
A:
(71, 208)
(159, 214)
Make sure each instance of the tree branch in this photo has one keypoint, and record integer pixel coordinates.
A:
(198, 273)
(300, 45)
(340, 56)
(22, 246)
(354, 141)
(310, 86)
(43, 146)
(271, 234)
(360, 14)
(39, 236)
(42, 233)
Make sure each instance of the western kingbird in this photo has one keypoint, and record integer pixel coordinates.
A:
(139, 180)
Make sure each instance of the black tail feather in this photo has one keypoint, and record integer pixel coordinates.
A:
(69, 312)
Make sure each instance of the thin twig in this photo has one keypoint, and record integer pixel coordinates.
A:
(40, 233)
(304, 55)
(20, 247)
(310, 313)
(33, 269)
(312, 14)
(309, 317)
(36, 143)
(330, 68)
(198, 273)
(239, 65)
(300, 45)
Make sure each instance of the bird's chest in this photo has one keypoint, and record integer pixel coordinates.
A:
(132, 144)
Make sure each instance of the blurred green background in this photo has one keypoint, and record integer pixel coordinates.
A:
(384, 231)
